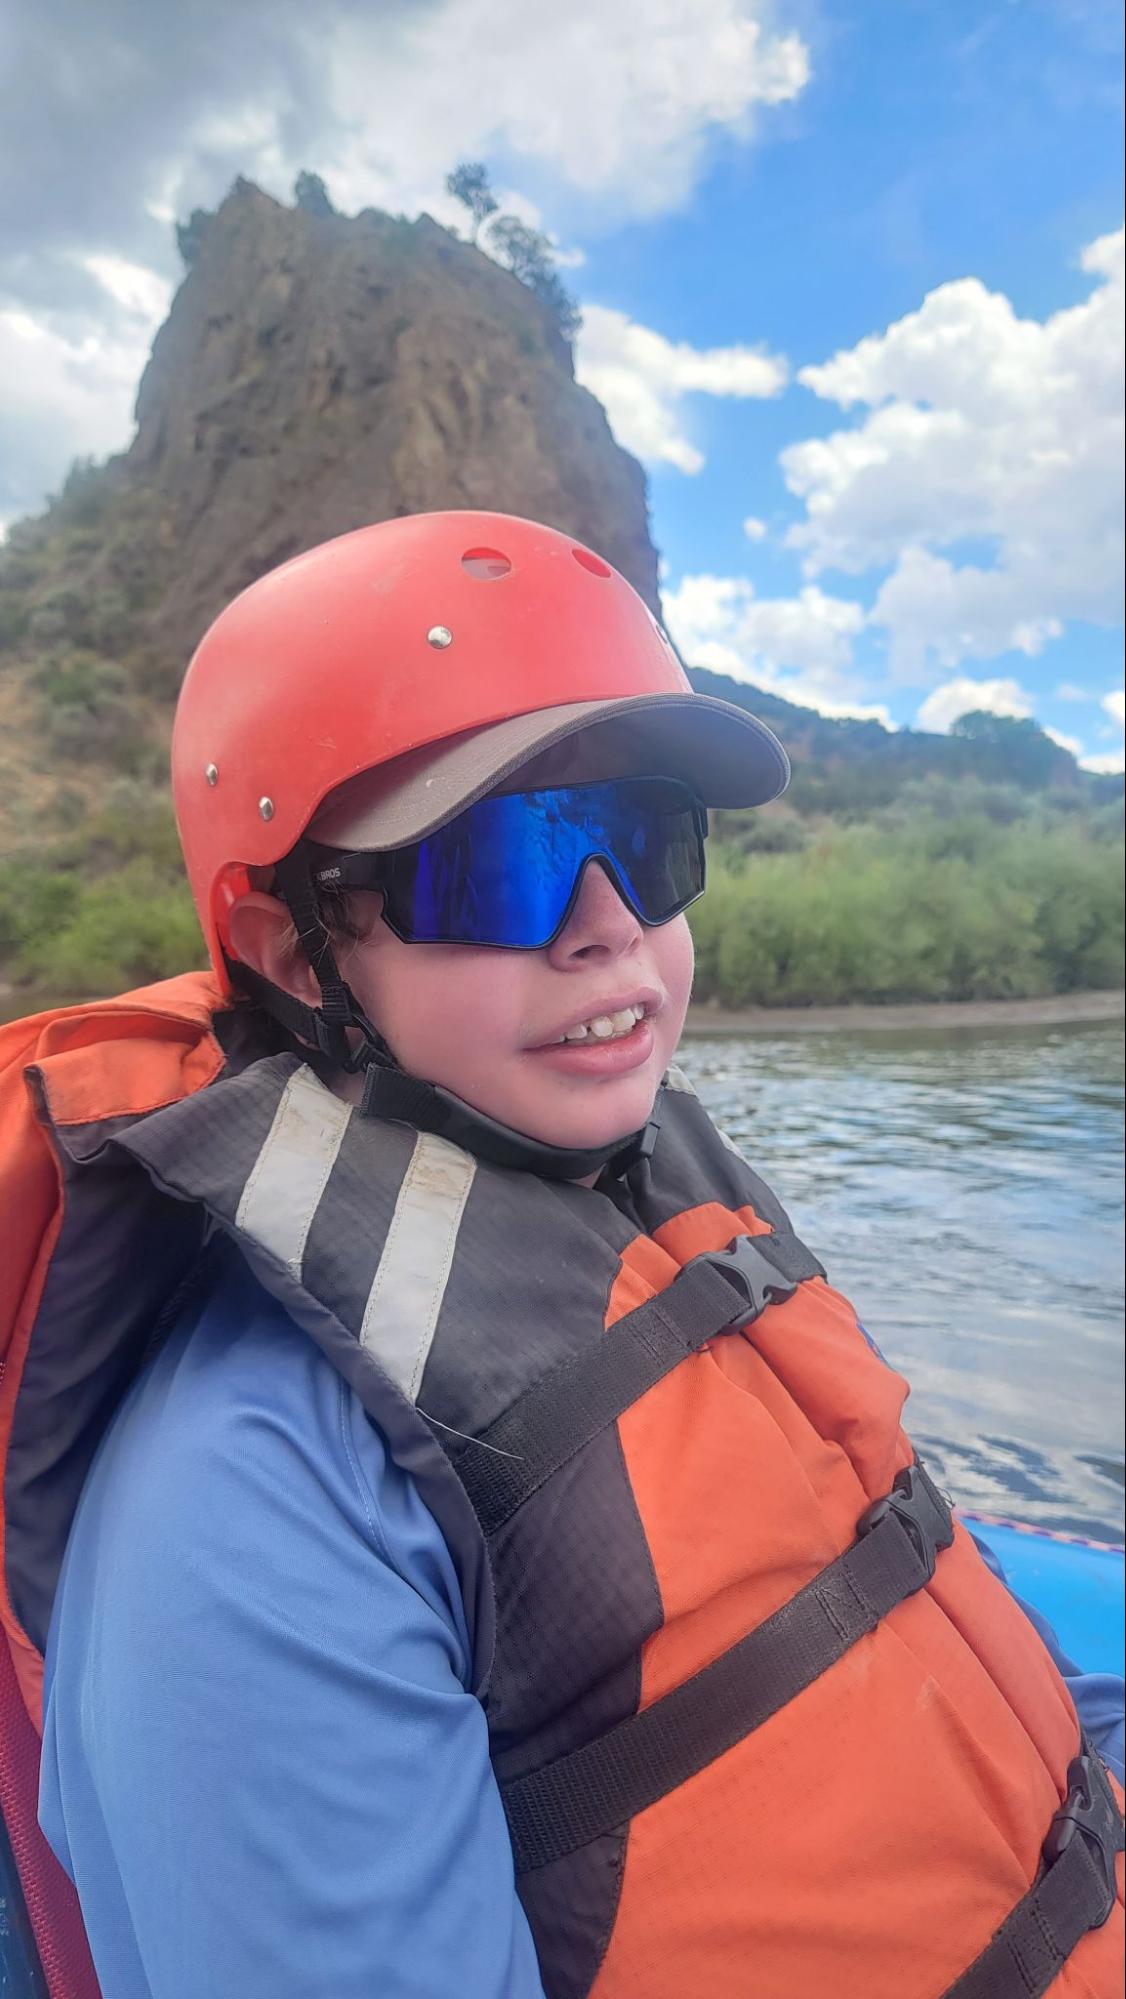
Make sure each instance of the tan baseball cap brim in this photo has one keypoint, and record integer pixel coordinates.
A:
(727, 756)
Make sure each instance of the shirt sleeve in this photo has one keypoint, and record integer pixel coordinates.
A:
(262, 1763)
(1100, 1698)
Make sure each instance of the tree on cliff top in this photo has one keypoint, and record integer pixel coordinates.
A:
(311, 195)
(190, 234)
(469, 184)
(528, 254)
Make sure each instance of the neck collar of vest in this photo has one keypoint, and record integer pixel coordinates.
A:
(390, 1092)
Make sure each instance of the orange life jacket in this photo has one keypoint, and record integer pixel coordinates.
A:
(763, 1721)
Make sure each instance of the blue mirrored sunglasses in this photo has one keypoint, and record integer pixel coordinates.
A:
(508, 870)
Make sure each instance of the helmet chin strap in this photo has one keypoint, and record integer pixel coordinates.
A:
(389, 1092)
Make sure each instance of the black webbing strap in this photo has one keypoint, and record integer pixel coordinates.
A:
(553, 1419)
(601, 1786)
(305, 1022)
(390, 1093)
(1074, 1894)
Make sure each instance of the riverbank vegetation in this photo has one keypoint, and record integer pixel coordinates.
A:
(957, 891)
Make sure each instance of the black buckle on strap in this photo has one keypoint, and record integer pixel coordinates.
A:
(916, 1502)
(1088, 1811)
(752, 1275)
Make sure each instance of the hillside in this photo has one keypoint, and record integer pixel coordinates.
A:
(855, 768)
(317, 372)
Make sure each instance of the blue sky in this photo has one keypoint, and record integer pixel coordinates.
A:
(850, 273)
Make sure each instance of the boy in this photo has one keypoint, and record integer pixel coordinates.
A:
(506, 1493)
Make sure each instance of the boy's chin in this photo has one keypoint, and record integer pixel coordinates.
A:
(587, 1127)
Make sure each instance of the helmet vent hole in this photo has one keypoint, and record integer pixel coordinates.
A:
(485, 563)
(593, 563)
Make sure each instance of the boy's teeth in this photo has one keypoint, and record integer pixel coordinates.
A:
(606, 1026)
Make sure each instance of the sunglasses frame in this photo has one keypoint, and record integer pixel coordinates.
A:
(367, 870)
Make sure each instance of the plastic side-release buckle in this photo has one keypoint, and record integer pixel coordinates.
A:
(916, 1502)
(1090, 1811)
(757, 1280)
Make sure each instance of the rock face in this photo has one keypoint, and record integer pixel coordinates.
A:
(317, 373)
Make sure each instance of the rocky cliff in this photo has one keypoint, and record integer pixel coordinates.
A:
(314, 373)
(317, 372)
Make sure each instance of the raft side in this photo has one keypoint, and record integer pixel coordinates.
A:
(1079, 1586)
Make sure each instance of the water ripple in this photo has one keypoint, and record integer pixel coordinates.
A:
(965, 1188)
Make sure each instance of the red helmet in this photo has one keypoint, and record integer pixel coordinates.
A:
(400, 636)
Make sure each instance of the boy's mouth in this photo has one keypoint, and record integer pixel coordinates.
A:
(604, 1043)
(614, 1020)
(605, 1026)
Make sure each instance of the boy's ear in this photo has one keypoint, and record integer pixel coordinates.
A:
(262, 936)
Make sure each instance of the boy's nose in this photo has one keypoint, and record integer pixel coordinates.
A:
(600, 922)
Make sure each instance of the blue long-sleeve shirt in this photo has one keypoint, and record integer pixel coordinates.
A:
(262, 1762)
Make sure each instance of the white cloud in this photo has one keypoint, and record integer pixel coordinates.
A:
(963, 696)
(143, 294)
(754, 529)
(1070, 743)
(933, 609)
(642, 378)
(798, 647)
(618, 103)
(982, 429)
(1109, 762)
(77, 379)
(1068, 691)
(75, 398)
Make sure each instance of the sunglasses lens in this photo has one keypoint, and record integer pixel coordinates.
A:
(661, 864)
(506, 871)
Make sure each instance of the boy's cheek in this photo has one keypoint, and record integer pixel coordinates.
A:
(675, 959)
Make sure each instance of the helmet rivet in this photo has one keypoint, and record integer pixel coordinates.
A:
(266, 807)
(211, 773)
(439, 636)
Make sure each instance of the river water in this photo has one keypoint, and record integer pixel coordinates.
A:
(964, 1188)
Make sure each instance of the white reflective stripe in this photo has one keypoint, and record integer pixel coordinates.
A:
(401, 1314)
(675, 1079)
(291, 1172)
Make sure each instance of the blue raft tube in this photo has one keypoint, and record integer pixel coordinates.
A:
(1076, 1585)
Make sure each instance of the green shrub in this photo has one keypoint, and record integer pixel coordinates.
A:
(83, 939)
(77, 679)
(34, 903)
(950, 909)
(762, 832)
(14, 620)
(85, 495)
(86, 710)
(105, 906)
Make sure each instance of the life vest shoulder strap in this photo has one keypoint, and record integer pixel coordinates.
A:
(566, 1408)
